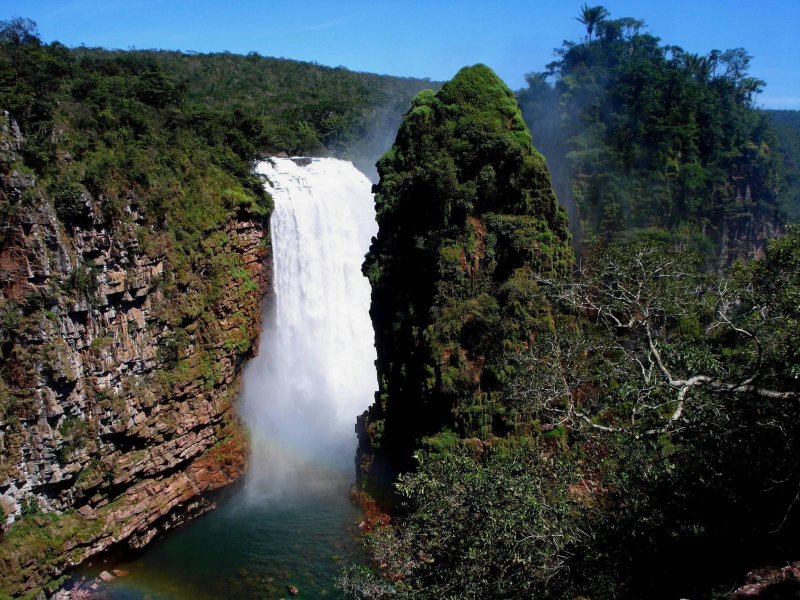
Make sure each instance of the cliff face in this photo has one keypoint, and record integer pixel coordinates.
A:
(467, 223)
(116, 416)
(746, 225)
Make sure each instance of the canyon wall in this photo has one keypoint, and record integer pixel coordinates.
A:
(116, 415)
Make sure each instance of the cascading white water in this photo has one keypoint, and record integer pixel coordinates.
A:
(315, 371)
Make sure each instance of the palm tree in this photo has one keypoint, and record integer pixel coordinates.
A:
(592, 16)
(750, 88)
(699, 66)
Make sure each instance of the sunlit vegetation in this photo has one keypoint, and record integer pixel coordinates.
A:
(111, 141)
(652, 142)
(289, 106)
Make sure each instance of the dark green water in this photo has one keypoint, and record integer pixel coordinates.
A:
(246, 548)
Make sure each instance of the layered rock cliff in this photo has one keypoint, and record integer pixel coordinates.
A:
(119, 370)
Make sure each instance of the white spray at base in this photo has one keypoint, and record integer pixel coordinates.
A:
(315, 371)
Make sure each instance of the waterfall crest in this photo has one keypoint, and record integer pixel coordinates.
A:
(315, 371)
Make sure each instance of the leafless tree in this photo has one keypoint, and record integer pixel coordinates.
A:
(623, 362)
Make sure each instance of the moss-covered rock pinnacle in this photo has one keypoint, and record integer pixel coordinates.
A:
(467, 221)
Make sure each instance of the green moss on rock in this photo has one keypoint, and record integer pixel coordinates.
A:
(467, 222)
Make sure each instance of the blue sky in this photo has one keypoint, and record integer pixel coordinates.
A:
(423, 39)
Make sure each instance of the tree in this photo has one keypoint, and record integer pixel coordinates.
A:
(645, 139)
(662, 337)
(479, 522)
(679, 392)
(18, 32)
(656, 431)
(698, 66)
(591, 16)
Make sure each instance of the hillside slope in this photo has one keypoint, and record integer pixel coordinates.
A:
(291, 106)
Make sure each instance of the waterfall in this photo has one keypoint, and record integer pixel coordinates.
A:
(315, 371)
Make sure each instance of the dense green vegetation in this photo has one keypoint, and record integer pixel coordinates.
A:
(467, 220)
(478, 522)
(787, 128)
(626, 430)
(291, 106)
(648, 141)
(655, 454)
(111, 142)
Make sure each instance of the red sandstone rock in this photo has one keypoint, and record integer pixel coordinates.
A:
(159, 449)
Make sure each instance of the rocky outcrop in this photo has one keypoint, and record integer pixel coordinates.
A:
(468, 223)
(744, 235)
(116, 418)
